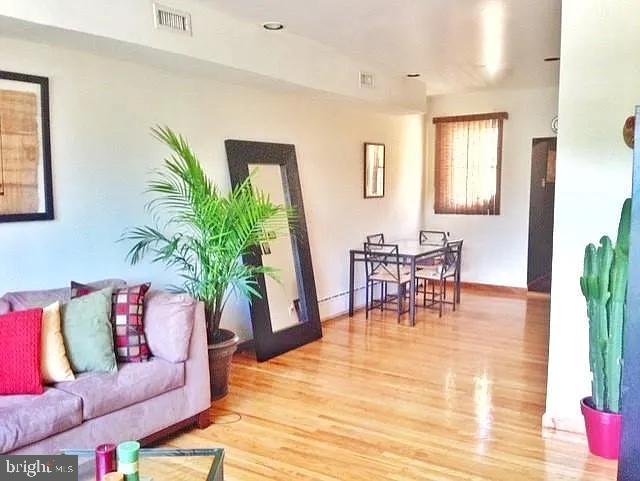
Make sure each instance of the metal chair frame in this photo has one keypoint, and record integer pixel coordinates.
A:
(375, 238)
(448, 268)
(384, 258)
(441, 236)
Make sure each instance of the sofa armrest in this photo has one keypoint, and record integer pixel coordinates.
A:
(197, 387)
(168, 324)
(5, 307)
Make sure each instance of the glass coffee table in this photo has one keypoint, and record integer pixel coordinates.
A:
(160, 464)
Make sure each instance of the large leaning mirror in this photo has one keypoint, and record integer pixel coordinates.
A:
(286, 316)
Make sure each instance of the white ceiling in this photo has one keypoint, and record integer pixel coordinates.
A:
(457, 45)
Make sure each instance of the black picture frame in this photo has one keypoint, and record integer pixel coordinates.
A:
(268, 344)
(43, 83)
(367, 194)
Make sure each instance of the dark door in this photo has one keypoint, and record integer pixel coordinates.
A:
(543, 178)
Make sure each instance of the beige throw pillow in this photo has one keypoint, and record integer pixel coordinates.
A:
(55, 365)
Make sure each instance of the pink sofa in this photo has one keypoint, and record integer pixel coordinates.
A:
(142, 401)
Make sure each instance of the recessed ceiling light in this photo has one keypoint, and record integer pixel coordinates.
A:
(552, 59)
(272, 26)
(413, 75)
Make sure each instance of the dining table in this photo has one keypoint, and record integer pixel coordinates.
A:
(410, 252)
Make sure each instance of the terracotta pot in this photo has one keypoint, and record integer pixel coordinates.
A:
(603, 430)
(220, 356)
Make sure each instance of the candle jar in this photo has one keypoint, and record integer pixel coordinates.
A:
(128, 453)
(105, 460)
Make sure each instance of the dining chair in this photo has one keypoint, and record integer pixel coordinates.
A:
(375, 238)
(383, 267)
(439, 273)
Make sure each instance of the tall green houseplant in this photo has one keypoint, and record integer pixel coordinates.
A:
(604, 285)
(205, 233)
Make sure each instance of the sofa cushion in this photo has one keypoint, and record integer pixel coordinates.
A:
(20, 301)
(27, 419)
(55, 364)
(102, 393)
(87, 332)
(21, 352)
(127, 319)
(168, 324)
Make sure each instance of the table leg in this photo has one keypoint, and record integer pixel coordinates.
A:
(412, 293)
(458, 267)
(351, 262)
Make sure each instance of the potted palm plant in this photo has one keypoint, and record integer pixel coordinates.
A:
(204, 235)
(604, 285)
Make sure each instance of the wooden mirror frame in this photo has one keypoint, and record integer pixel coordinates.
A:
(268, 344)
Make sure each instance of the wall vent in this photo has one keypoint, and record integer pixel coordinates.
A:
(367, 80)
(167, 18)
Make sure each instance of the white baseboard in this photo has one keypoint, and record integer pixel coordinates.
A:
(571, 424)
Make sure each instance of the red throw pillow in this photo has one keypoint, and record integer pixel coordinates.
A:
(20, 351)
(127, 319)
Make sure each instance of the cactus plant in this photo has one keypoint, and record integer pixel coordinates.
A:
(604, 285)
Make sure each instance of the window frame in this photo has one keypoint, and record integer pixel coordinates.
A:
(500, 117)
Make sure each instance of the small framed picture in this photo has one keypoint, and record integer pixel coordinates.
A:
(374, 166)
(26, 190)
(266, 248)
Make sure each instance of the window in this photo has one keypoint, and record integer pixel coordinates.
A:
(468, 157)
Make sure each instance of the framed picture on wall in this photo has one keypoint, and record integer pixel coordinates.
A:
(26, 190)
(374, 167)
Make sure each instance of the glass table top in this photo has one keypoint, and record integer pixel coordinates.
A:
(160, 464)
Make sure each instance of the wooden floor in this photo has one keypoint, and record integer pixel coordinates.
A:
(457, 398)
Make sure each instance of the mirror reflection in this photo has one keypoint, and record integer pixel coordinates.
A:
(282, 295)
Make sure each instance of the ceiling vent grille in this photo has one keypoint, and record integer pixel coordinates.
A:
(367, 80)
(171, 19)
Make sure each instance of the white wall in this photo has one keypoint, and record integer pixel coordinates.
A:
(495, 249)
(101, 111)
(217, 40)
(599, 79)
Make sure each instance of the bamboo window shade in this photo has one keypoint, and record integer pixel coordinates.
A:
(468, 158)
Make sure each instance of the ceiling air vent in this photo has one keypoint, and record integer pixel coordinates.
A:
(171, 19)
(367, 80)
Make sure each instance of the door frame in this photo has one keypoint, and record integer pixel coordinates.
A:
(628, 466)
(534, 140)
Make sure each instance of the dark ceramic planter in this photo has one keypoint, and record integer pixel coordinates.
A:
(220, 356)
(603, 430)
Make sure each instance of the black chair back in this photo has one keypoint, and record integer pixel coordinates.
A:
(452, 254)
(382, 259)
(432, 237)
(375, 238)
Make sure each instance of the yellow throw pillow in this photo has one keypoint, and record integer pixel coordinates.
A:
(55, 365)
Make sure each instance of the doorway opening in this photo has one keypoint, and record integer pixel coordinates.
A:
(541, 202)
